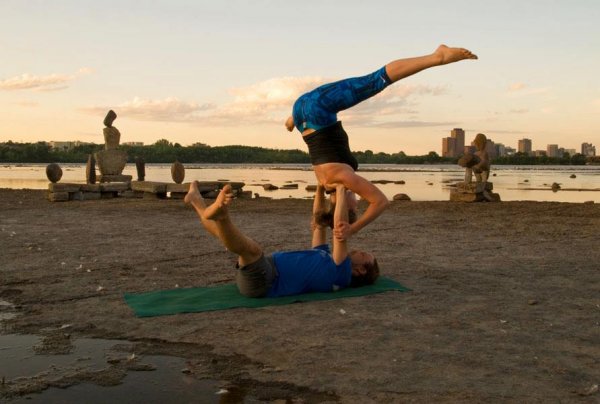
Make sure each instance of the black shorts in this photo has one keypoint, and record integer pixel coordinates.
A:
(255, 279)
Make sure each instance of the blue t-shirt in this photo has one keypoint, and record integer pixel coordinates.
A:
(309, 271)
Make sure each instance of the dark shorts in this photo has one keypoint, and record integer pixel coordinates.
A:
(255, 280)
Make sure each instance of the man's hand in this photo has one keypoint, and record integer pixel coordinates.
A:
(342, 231)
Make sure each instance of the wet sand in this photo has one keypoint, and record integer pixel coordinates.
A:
(505, 303)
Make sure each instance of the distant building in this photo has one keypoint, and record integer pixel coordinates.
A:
(525, 146)
(538, 153)
(133, 143)
(459, 141)
(588, 149)
(66, 145)
(552, 150)
(571, 152)
(500, 150)
(448, 147)
(510, 151)
(454, 146)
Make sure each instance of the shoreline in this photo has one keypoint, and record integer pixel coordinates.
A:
(503, 292)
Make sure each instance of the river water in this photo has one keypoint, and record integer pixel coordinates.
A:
(422, 182)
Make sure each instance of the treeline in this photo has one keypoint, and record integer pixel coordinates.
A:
(164, 151)
(577, 159)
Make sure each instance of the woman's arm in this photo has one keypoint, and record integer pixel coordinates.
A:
(378, 202)
(319, 232)
(331, 174)
(340, 217)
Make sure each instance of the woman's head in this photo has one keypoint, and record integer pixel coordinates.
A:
(326, 218)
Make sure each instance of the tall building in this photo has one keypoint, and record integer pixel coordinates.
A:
(500, 150)
(454, 146)
(459, 141)
(525, 146)
(588, 149)
(448, 147)
(490, 148)
(552, 150)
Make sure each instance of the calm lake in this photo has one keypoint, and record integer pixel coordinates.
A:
(422, 182)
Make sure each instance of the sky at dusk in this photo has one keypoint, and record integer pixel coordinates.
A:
(228, 72)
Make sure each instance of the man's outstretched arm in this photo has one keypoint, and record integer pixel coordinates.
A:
(319, 232)
(340, 219)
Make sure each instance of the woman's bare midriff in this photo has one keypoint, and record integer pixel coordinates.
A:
(329, 174)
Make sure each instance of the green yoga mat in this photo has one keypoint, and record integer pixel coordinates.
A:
(222, 297)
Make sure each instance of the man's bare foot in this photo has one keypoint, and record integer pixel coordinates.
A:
(219, 208)
(451, 55)
(194, 197)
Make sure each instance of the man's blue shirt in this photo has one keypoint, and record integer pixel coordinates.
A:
(309, 271)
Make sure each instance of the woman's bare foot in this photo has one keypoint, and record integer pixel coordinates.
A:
(451, 55)
(218, 209)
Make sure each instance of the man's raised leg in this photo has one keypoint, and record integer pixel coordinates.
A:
(215, 218)
(443, 55)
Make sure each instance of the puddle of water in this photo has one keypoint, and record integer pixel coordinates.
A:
(166, 383)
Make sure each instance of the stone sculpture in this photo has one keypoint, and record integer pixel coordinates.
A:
(140, 166)
(54, 172)
(477, 163)
(90, 170)
(177, 172)
(111, 161)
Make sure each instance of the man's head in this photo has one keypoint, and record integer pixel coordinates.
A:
(365, 269)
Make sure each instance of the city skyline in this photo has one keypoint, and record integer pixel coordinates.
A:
(223, 74)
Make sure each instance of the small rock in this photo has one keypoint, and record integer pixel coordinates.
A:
(588, 392)
(54, 172)
(532, 302)
(177, 172)
(573, 176)
(270, 187)
(401, 182)
(589, 202)
(401, 197)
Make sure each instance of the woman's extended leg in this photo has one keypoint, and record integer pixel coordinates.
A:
(443, 55)
(216, 220)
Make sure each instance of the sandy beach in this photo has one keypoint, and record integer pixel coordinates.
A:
(505, 300)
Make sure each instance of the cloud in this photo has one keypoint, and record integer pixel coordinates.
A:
(519, 111)
(169, 109)
(522, 89)
(27, 104)
(269, 102)
(51, 82)
(409, 124)
(517, 87)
